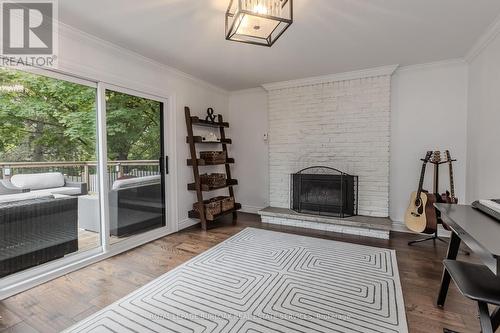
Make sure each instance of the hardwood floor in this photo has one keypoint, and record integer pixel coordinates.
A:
(88, 240)
(62, 302)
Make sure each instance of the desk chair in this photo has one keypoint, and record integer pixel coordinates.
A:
(479, 284)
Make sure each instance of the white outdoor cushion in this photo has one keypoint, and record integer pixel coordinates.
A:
(134, 182)
(61, 190)
(23, 196)
(38, 181)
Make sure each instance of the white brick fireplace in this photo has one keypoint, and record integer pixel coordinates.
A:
(340, 121)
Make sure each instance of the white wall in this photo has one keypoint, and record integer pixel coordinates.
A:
(86, 56)
(249, 122)
(429, 112)
(483, 146)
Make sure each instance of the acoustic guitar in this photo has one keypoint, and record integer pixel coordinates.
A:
(421, 214)
(436, 158)
(449, 197)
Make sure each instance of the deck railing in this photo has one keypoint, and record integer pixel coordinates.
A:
(85, 172)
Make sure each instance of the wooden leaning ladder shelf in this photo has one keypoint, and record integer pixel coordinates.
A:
(196, 162)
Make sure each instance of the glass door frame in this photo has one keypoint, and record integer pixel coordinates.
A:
(167, 150)
(24, 280)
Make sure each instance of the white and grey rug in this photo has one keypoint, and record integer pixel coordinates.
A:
(264, 281)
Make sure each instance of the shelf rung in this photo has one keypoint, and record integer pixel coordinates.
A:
(201, 122)
(195, 215)
(199, 139)
(206, 188)
(202, 162)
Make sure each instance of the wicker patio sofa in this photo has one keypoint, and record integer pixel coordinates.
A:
(135, 205)
(42, 183)
(36, 231)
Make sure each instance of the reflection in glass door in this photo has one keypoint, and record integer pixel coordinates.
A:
(49, 198)
(136, 164)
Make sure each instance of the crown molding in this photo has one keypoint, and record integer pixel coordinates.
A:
(365, 73)
(68, 30)
(247, 91)
(430, 65)
(486, 39)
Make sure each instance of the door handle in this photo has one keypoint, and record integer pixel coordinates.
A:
(164, 165)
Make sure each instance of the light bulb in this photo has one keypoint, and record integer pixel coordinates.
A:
(260, 9)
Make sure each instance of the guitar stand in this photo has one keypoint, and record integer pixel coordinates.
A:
(435, 236)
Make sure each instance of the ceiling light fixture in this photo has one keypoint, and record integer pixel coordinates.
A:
(258, 22)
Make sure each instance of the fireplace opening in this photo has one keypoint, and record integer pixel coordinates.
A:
(324, 191)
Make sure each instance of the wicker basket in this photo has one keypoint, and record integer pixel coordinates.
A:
(227, 203)
(213, 179)
(213, 156)
(212, 208)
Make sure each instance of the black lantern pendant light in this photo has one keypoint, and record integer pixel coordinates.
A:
(259, 22)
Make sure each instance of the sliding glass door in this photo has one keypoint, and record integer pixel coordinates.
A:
(136, 164)
(49, 198)
(83, 174)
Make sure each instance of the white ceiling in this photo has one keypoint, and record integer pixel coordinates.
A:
(327, 37)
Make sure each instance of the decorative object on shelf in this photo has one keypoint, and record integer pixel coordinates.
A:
(206, 123)
(214, 179)
(258, 22)
(211, 137)
(208, 188)
(213, 157)
(215, 206)
(211, 117)
(210, 210)
(227, 203)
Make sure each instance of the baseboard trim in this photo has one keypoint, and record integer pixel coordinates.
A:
(399, 226)
(186, 223)
(251, 209)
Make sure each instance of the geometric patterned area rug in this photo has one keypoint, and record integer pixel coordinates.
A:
(265, 281)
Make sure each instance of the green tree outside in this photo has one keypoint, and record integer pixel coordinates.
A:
(49, 120)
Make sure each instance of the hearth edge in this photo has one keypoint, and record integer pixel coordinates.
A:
(356, 225)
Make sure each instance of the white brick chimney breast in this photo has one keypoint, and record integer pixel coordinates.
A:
(341, 124)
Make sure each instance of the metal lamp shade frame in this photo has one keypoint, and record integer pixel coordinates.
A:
(235, 17)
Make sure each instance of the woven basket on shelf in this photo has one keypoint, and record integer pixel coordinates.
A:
(213, 179)
(227, 203)
(212, 208)
(213, 156)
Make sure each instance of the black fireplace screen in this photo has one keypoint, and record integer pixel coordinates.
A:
(324, 191)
